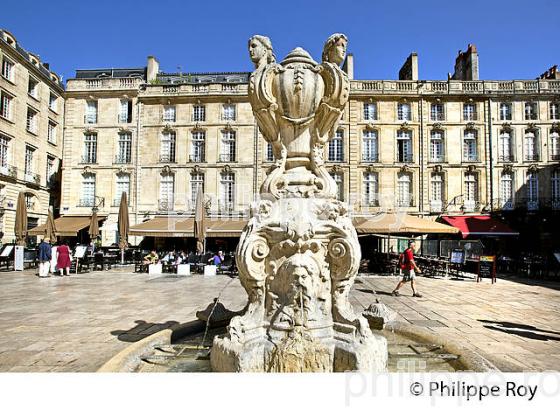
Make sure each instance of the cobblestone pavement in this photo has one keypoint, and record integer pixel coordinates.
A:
(77, 323)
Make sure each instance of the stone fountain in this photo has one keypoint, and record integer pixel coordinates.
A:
(299, 254)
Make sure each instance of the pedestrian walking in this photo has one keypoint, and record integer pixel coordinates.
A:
(44, 258)
(63, 262)
(409, 269)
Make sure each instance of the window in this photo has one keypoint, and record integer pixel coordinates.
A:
(336, 147)
(198, 146)
(369, 146)
(228, 113)
(437, 112)
(505, 111)
(167, 148)
(29, 151)
(88, 190)
(404, 146)
(554, 111)
(33, 88)
(169, 113)
(53, 102)
(531, 146)
(197, 183)
(505, 147)
(228, 146)
(370, 111)
(199, 113)
(531, 112)
(90, 149)
(436, 146)
(51, 132)
(227, 190)
(124, 155)
(532, 191)
(51, 170)
(8, 69)
(269, 152)
(6, 105)
(371, 189)
(125, 111)
(123, 186)
(555, 187)
(166, 192)
(506, 190)
(436, 192)
(470, 194)
(339, 186)
(404, 112)
(404, 190)
(4, 145)
(91, 112)
(31, 124)
(554, 146)
(470, 152)
(469, 112)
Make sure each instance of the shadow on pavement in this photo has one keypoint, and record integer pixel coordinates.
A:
(141, 330)
(522, 330)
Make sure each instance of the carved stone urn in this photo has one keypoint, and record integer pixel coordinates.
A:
(299, 254)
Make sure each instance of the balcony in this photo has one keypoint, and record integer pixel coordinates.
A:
(167, 158)
(196, 158)
(405, 203)
(90, 119)
(165, 205)
(505, 158)
(436, 207)
(8, 171)
(32, 178)
(470, 158)
(531, 157)
(227, 158)
(225, 207)
(471, 206)
(88, 159)
(104, 84)
(405, 158)
(122, 159)
(86, 203)
(437, 160)
(370, 157)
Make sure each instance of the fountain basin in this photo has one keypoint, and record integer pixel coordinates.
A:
(181, 349)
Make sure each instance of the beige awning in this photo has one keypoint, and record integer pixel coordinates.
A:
(171, 226)
(395, 223)
(66, 225)
(164, 226)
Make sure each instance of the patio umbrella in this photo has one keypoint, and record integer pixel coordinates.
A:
(93, 226)
(200, 222)
(51, 228)
(123, 225)
(20, 227)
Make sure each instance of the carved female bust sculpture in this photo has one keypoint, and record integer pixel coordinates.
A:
(260, 51)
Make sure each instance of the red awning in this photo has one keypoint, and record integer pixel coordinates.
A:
(482, 225)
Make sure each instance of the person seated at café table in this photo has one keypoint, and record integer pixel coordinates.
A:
(168, 258)
(217, 259)
(181, 258)
(151, 258)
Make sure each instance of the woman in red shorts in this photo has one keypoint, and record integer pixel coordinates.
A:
(63, 262)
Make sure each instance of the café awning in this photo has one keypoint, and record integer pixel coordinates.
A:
(400, 223)
(66, 225)
(479, 225)
(171, 226)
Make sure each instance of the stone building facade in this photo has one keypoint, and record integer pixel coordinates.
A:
(31, 134)
(459, 146)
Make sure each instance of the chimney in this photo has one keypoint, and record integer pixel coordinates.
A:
(466, 64)
(409, 70)
(348, 66)
(152, 69)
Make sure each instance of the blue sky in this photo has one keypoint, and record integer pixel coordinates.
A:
(515, 39)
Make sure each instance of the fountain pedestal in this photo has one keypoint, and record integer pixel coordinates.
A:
(299, 254)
